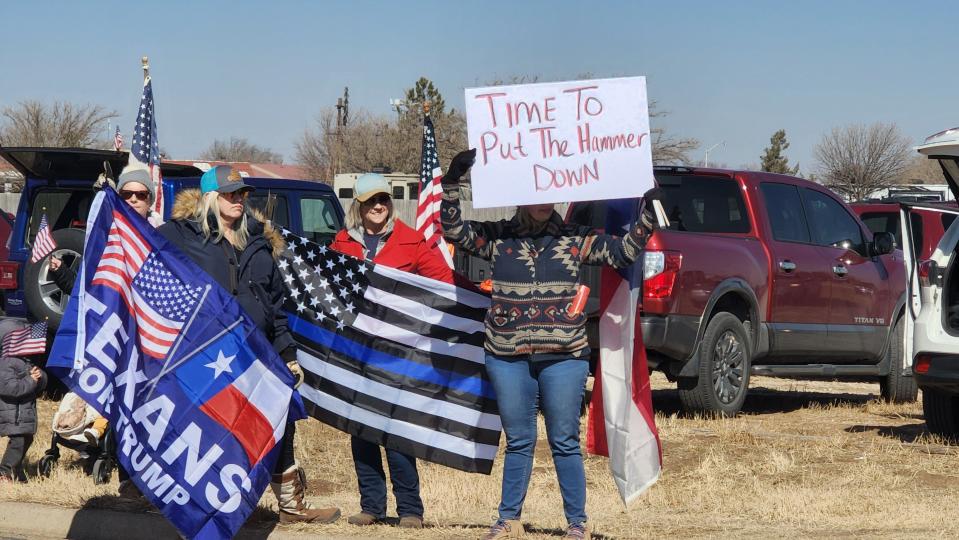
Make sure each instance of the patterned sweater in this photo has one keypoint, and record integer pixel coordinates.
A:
(535, 277)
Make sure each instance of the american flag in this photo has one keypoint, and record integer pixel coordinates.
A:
(117, 140)
(431, 191)
(28, 340)
(43, 244)
(160, 302)
(393, 358)
(146, 146)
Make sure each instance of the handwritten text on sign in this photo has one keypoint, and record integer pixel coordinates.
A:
(557, 142)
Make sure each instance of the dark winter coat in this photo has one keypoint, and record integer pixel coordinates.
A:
(401, 247)
(535, 277)
(252, 278)
(18, 397)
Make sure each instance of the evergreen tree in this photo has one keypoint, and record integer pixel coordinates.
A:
(773, 159)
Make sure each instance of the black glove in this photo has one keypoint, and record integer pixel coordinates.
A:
(647, 220)
(460, 164)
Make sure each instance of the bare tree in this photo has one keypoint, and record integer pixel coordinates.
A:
(857, 160)
(63, 124)
(668, 149)
(240, 149)
(922, 170)
(370, 141)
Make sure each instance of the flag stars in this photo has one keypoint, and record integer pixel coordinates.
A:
(221, 365)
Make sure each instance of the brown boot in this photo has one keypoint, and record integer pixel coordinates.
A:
(362, 519)
(288, 488)
(505, 528)
(411, 522)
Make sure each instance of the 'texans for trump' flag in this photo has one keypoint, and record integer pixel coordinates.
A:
(196, 394)
(622, 424)
(393, 358)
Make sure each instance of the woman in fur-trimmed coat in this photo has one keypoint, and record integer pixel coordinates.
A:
(238, 249)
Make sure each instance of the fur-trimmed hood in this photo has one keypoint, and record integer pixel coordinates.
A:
(187, 201)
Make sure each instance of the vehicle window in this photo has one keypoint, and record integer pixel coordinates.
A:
(281, 209)
(345, 193)
(704, 204)
(947, 220)
(831, 225)
(320, 220)
(884, 222)
(65, 208)
(414, 188)
(591, 214)
(915, 219)
(784, 208)
(398, 194)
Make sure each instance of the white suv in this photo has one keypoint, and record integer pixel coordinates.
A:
(936, 332)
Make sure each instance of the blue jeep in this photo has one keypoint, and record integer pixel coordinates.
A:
(59, 183)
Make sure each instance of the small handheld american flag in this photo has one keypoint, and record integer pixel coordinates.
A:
(28, 340)
(43, 244)
(118, 140)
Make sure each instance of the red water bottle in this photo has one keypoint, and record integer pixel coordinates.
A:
(579, 301)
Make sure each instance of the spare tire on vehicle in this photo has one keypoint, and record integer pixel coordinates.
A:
(44, 299)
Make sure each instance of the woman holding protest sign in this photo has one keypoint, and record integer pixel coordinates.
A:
(536, 349)
(237, 248)
(373, 232)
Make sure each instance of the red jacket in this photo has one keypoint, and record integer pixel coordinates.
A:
(405, 250)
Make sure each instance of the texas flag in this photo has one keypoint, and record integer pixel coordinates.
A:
(621, 423)
(240, 393)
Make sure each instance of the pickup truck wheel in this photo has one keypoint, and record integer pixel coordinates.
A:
(896, 387)
(44, 299)
(724, 365)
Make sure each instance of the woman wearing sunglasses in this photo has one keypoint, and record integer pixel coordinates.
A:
(237, 248)
(374, 233)
(136, 187)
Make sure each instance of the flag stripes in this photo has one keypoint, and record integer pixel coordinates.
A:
(431, 190)
(392, 369)
(26, 341)
(401, 405)
(393, 358)
(431, 359)
(43, 243)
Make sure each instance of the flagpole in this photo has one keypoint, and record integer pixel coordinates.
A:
(146, 68)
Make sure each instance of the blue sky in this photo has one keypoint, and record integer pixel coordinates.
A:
(727, 71)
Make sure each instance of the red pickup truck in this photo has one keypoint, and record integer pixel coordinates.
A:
(767, 274)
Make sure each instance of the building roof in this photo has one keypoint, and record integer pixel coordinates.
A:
(247, 169)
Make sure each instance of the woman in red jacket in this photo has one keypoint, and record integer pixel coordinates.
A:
(372, 232)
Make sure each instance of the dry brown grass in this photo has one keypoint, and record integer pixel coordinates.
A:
(806, 459)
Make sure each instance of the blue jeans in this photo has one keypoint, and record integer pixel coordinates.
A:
(559, 387)
(372, 480)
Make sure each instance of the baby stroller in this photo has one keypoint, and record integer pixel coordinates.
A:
(73, 416)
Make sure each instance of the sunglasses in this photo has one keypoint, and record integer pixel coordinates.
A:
(234, 196)
(382, 198)
(140, 195)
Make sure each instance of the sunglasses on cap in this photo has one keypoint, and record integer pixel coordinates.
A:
(381, 198)
(127, 194)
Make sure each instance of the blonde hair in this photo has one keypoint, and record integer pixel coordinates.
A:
(208, 205)
(354, 216)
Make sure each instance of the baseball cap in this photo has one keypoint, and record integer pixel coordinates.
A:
(222, 179)
(370, 184)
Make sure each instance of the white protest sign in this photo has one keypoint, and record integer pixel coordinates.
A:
(559, 142)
